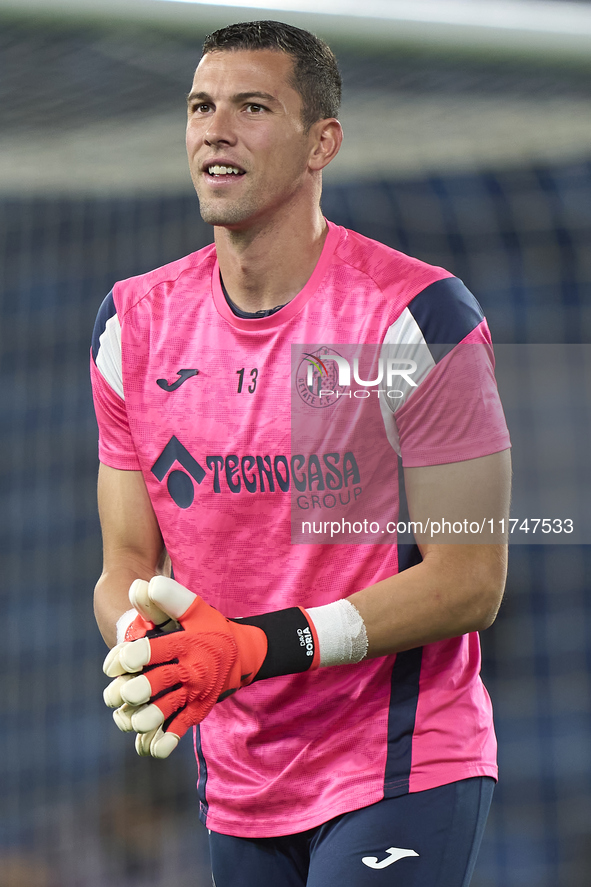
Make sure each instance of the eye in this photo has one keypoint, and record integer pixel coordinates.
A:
(200, 108)
(254, 108)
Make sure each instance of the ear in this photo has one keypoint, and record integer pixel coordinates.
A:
(327, 137)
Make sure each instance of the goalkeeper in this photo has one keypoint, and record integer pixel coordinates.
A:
(342, 731)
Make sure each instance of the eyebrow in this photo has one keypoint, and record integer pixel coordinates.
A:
(237, 98)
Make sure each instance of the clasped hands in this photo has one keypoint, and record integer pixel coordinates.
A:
(166, 680)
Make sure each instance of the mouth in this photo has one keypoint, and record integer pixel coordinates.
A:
(223, 171)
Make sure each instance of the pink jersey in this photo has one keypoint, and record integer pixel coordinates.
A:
(225, 421)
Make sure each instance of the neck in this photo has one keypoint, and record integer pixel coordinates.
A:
(268, 265)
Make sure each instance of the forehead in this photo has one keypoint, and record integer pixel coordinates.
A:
(237, 70)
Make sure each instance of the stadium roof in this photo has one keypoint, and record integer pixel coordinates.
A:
(75, 119)
(515, 26)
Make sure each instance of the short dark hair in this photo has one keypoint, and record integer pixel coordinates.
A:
(315, 71)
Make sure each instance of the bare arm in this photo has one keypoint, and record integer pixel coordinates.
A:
(458, 587)
(132, 544)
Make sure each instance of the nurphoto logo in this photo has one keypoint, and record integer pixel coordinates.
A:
(323, 376)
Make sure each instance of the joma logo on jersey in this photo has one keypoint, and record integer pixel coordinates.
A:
(316, 473)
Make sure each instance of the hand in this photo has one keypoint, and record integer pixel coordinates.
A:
(150, 618)
(165, 683)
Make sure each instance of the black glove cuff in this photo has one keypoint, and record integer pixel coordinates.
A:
(291, 642)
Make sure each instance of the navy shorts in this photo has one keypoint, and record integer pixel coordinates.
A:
(423, 839)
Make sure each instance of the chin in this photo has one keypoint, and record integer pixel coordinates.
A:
(222, 215)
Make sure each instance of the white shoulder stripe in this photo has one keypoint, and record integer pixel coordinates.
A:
(407, 354)
(108, 359)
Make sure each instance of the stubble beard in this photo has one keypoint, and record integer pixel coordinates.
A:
(222, 213)
(226, 211)
(223, 209)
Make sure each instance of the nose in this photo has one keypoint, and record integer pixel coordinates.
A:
(220, 129)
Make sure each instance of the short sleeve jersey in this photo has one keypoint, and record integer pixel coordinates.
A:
(198, 400)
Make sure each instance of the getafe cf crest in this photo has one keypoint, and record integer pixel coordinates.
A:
(317, 379)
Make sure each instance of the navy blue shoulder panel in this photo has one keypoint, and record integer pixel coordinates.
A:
(446, 311)
(105, 312)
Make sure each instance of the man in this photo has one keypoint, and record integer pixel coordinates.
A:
(344, 735)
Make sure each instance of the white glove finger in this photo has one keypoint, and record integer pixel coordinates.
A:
(147, 719)
(136, 691)
(112, 692)
(163, 744)
(112, 665)
(135, 655)
(142, 743)
(139, 597)
(170, 596)
(122, 717)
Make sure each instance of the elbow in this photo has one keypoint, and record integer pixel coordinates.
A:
(488, 616)
(483, 585)
(470, 582)
(486, 600)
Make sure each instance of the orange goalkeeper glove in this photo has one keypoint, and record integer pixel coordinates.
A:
(166, 683)
(145, 618)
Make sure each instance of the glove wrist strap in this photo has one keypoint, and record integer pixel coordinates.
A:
(292, 642)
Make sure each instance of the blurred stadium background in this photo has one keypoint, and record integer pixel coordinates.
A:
(468, 144)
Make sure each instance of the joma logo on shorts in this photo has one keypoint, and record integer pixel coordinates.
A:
(316, 473)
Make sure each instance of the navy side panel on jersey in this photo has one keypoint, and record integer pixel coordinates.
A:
(446, 311)
(105, 312)
(408, 550)
(202, 781)
(404, 696)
